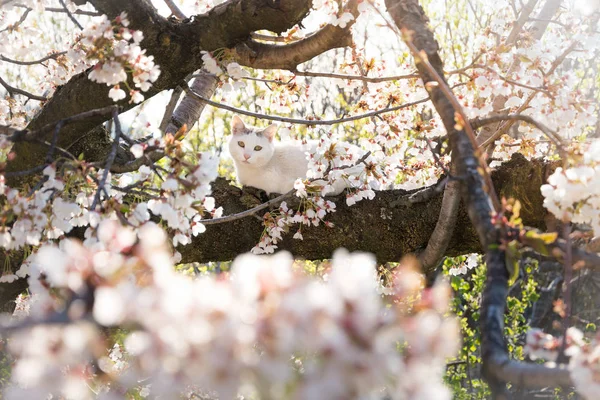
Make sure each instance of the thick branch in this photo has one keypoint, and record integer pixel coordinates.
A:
(523, 17)
(288, 56)
(190, 108)
(388, 226)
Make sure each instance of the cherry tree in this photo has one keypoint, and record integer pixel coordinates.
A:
(492, 106)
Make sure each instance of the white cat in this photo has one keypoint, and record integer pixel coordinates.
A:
(266, 164)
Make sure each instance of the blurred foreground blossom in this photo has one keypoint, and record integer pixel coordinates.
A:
(267, 325)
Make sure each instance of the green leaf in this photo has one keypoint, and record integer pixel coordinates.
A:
(546, 237)
(524, 59)
(590, 327)
(512, 261)
(539, 241)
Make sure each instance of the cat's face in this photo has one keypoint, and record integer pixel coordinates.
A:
(252, 146)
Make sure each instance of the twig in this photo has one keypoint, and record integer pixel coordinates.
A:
(76, 12)
(354, 77)
(41, 60)
(550, 134)
(249, 212)
(175, 10)
(19, 22)
(27, 135)
(53, 142)
(64, 152)
(269, 38)
(277, 81)
(12, 90)
(134, 165)
(30, 171)
(62, 10)
(510, 81)
(301, 121)
(71, 17)
(111, 158)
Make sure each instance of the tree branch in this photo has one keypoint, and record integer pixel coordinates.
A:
(174, 9)
(302, 121)
(41, 60)
(550, 134)
(523, 17)
(380, 226)
(444, 228)
(258, 55)
(371, 79)
(13, 90)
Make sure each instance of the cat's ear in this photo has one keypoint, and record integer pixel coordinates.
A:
(237, 125)
(269, 132)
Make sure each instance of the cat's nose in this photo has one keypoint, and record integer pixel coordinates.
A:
(247, 156)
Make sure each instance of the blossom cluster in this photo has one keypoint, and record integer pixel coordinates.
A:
(117, 51)
(584, 364)
(541, 345)
(332, 167)
(267, 325)
(51, 212)
(585, 369)
(336, 12)
(573, 193)
(232, 79)
(471, 262)
(345, 166)
(185, 200)
(311, 211)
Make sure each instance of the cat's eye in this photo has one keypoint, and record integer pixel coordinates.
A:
(257, 148)
(241, 144)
